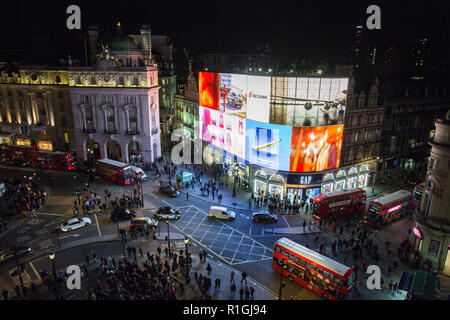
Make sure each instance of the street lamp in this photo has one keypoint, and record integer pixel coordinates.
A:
(283, 266)
(186, 242)
(18, 268)
(168, 236)
(52, 259)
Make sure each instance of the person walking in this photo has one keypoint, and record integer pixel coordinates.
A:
(232, 276)
(217, 284)
(233, 289)
(244, 277)
(241, 293)
(252, 292)
(187, 195)
(209, 269)
(247, 293)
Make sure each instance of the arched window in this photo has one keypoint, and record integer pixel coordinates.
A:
(110, 118)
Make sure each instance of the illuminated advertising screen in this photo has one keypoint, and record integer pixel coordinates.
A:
(258, 98)
(268, 145)
(233, 94)
(315, 148)
(223, 130)
(307, 102)
(209, 89)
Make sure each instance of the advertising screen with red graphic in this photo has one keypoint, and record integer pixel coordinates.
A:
(209, 89)
(315, 148)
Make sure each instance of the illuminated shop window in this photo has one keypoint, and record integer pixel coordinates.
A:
(23, 142)
(45, 145)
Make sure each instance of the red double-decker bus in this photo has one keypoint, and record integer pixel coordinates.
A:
(55, 160)
(114, 171)
(312, 270)
(389, 208)
(339, 203)
(18, 156)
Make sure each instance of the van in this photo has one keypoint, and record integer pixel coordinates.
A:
(221, 213)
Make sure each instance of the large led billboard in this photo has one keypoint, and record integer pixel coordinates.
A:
(209, 89)
(258, 98)
(268, 145)
(281, 123)
(307, 102)
(233, 94)
(315, 148)
(223, 130)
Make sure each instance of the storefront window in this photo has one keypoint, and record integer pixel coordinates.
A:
(328, 187)
(434, 247)
(276, 190)
(259, 187)
(351, 183)
(45, 145)
(339, 185)
(362, 180)
(23, 142)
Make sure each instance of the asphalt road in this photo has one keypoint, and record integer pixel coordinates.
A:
(242, 244)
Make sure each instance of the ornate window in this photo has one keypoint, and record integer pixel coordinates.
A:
(133, 119)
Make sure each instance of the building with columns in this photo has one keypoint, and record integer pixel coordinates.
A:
(431, 234)
(116, 100)
(35, 108)
(109, 109)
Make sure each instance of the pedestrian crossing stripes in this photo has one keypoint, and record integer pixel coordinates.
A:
(26, 278)
(228, 243)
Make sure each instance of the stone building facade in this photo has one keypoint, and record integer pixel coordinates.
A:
(35, 108)
(432, 221)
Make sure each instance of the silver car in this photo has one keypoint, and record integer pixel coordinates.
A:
(75, 223)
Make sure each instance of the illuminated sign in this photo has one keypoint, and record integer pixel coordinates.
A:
(417, 233)
(315, 148)
(305, 179)
(394, 208)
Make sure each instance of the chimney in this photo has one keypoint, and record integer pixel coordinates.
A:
(146, 36)
(93, 44)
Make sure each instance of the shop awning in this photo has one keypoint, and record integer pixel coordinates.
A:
(424, 285)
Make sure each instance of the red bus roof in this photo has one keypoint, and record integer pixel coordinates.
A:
(113, 163)
(314, 256)
(392, 197)
(323, 196)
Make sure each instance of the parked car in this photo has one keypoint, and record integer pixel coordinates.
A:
(264, 216)
(221, 213)
(139, 172)
(143, 223)
(167, 213)
(8, 254)
(169, 190)
(122, 213)
(75, 223)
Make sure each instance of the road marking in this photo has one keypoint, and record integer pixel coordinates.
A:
(45, 244)
(70, 235)
(98, 227)
(23, 230)
(50, 214)
(42, 232)
(34, 270)
(23, 239)
(34, 221)
(286, 221)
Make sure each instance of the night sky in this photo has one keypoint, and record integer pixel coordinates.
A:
(311, 29)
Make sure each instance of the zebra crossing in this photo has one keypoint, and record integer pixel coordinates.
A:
(14, 275)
